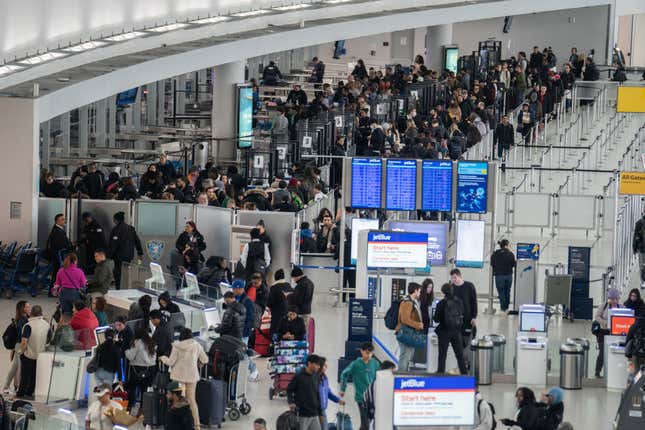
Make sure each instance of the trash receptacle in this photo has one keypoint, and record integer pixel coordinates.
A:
(585, 344)
(571, 355)
(482, 360)
(499, 351)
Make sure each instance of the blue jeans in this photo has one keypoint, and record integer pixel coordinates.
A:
(252, 366)
(405, 355)
(504, 284)
(103, 376)
(67, 297)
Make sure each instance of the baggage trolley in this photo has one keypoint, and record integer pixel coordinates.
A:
(237, 403)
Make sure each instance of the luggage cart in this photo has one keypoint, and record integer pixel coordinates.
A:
(237, 404)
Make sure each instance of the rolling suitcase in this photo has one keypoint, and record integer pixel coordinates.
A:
(154, 408)
(210, 395)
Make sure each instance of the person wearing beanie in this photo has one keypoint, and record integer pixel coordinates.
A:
(602, 317)
(551, 409)
(277, 303)
(122, 243)
(303, 294)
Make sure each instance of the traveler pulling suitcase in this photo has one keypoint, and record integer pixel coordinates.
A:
(211, 400)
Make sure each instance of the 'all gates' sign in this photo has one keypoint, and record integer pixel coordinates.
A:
(632, 183)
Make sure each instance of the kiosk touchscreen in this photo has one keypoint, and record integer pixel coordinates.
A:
(532, 322)
(616, 371)
(192, 287)
(620, 324)
(531, 359)
(157, 279)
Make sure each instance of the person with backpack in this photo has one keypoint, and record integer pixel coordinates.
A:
(277, 301)
(638, 246)
(11, 340)
(450, 316)
(256, 256)
(551, 409)
(599, 326)
(179, 415)
(485, 419)
(409, 321)
(635, 343)
(466, 292)
(251, 321)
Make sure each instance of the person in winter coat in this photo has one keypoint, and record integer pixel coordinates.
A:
(103, 279)
(551, 409)
(142, 357)
(250, 317)
(151, 183)
(425, 303)
(179, 415)
(166, 169)
(303, 293)
(602, 317)
(527, 411)
(292, 327)
(83, 323)
(635, 343)
(634, 301)
(122, 244)
(191, 238)
(166, 304)
(277, 302)
(214, 273)
(448, 331)
(638, 246)
(409, 316)
(186, 355)
(504, 136)
(233, 318)
(163, 334)
(503, 262)
(99, 304)
(359, 72)
(326, 394)
(525, 122)
(591, 72)
(255, 256)
(70, 281)
(108, 359)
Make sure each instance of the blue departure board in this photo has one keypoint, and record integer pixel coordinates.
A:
(366, 183)
(401, 185)
(472, 186)
(436, 186)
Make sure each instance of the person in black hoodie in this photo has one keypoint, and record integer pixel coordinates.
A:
(467, 293)
(292, 327)
(163, 334)
(108, 359)
(234, 317)
(527, 416)
(303, 293)
(277, 302)
(303, 394)
(504, 136)
(166, 304)
(503, 262)
(53, 188)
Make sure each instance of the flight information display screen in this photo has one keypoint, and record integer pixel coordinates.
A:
(367, 174)
(436, 185)
(401, 185)
(472, 186)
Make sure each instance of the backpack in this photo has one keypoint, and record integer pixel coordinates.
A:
(492, 411)
(453, 314)
(636, 345)
(392, 315)
(287, 421)
(10, 336)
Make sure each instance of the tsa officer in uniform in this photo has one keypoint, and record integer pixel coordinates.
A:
(123, 241)
(93, 238)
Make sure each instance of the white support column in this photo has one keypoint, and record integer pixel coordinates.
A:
(419, 46)
(612, 30)
(437, 37)
(224, 105)
(111, 132)
(19, 132)
(45, 131)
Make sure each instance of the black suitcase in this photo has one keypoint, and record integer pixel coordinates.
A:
(211, 401)
(155, 407)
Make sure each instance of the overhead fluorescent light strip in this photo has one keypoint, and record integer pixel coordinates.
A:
(336, 1)
(125, 36)
(292, 7)
(211, 20)
(251, 13)
(38, 59)
(85, 46)
(5, 70)
(169, 27)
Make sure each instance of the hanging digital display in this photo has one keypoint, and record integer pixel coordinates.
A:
(245, 117)
(401, 185)
(436, 185)
(472, 186)
(367, 174)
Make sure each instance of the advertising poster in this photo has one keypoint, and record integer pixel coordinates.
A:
(361, 316)
(245, 116)
(434, 401)
(401, 185)
(451, 58)
(472, 186)
(436, 185)
(397, 250)
(437, 238)
(528, 251)
(367, 174)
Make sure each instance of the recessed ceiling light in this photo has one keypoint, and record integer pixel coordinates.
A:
(336, 1)
(125, 36)
(211, 20)
(64, 79)
(85, 46)
(293, 7)
(5, 70)
(252, 13)
(37, 59)
(169, 27)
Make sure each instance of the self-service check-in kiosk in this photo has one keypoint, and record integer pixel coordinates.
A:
(616, 371)
(157, 280)
(526, 274)
(531, 356)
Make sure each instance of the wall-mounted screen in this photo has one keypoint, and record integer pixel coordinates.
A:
(470, 243)
(436, 185)
(401, 185)
(386, 249)
(437, 237)
(367, 174)
(359, 224)
(434, 401)
(472, 186)
(451, 58)
(245, 117)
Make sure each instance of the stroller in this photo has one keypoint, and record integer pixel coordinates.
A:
(289, 356)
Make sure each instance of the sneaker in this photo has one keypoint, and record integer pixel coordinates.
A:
(254, 376)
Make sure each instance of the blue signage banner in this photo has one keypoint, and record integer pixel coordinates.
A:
(528, 251)
(361, 314)
(472, 186)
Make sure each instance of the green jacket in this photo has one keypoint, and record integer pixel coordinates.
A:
(103, 278)
(362, 375)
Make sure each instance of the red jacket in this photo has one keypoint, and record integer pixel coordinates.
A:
(83, 323)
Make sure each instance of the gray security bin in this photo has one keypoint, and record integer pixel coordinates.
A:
(499, 351)
(585, 344)
(571, 356)
(482, 360)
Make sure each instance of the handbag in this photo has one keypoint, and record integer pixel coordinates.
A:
(411, 337)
